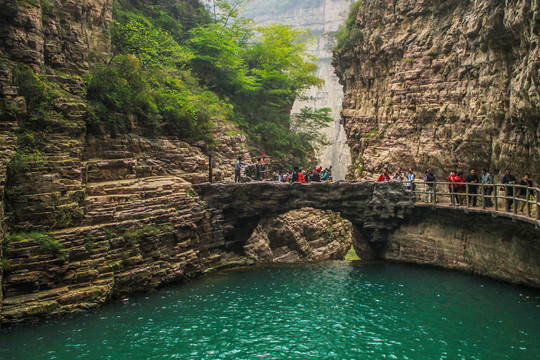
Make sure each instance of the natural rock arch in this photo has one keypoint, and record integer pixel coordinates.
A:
(374, 209)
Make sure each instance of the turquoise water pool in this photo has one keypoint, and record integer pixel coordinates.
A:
(333, 310)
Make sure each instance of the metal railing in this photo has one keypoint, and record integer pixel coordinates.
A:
(517, 199)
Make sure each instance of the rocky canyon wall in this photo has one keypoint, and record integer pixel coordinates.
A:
(89, 217)
(443, 85)
(322, 18)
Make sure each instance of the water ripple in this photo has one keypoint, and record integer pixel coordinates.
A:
(336, 310)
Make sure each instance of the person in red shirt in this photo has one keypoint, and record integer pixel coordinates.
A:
(454, 188)
(384, 176)
(301, 177)
(461, 187)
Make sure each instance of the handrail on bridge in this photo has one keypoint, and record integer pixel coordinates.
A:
(471, 194)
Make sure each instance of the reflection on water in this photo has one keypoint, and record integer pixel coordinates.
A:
(335, 310)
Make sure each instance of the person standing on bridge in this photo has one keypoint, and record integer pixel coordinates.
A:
(472, 179)
(316, 175)
(410, 180)
(527, 195)
(399, 175)
(509, 180)
(384, 176)
(454, 179)
(263, 167)
(487, 181)
(294, 177)
(258, 169)
(238, 169)
(301, 177)
(429, 179)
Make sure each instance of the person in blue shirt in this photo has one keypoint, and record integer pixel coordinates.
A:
(237, 169)
(324, 175)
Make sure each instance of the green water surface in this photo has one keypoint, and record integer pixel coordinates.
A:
(335, 310)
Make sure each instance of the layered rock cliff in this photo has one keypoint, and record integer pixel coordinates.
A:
(89, 216)
(501, 248)
(442, 85)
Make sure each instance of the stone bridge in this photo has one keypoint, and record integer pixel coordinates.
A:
(374, 209)
(385, 217)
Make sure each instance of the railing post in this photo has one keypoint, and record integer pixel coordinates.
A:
(482, 188)
(434, 192)
(210, 160)
(452, 194)
(495, 197)
(527, 202)
(467, 189)
(538, 204)
(515, 198)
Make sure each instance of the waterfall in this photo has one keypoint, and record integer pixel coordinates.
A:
(322, 18)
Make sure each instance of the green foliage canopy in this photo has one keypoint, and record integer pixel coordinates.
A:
(171, 74)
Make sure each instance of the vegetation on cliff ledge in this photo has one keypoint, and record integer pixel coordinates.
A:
(349, 33)
(177, 67)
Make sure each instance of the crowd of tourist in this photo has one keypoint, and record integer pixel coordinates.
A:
(461, 186)
(306, 176)
(298, 175)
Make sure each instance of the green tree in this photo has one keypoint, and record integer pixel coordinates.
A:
(308, 123)
(120, 97)
(152, 46)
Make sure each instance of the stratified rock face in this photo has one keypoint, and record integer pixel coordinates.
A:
(500, 248)
(91, 217)
(57, 39)
(59, 36)
(300, 235)
(142, 233)
(443, 85)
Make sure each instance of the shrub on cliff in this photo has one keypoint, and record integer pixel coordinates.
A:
(45, 241)
(349, 33)
(40, 95)
(120, 97)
